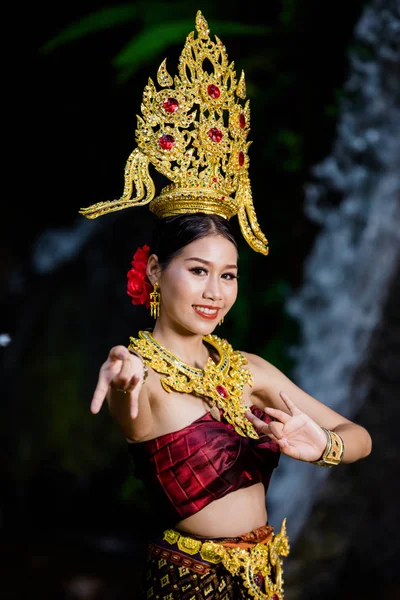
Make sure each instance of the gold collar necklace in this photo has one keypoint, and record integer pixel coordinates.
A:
(223, 383)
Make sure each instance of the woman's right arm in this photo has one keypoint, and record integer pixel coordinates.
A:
(121, 383)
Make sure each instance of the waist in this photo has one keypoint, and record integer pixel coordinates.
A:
(237, 511)
(254, 557)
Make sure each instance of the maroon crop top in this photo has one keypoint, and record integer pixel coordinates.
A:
(187, 469)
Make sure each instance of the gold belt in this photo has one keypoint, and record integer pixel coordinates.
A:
(247, 560)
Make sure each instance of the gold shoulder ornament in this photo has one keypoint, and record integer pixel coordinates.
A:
(223, 383)
(193, 131)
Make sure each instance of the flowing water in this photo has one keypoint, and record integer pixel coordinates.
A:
(355, 198)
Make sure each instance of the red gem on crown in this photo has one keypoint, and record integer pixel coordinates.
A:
(215, 134)
(213, 91)
(171, 105)
(242, 120)
(241, 158)
(166, 141)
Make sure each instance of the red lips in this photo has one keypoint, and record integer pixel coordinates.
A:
(209, 317)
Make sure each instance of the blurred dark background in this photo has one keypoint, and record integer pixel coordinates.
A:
(323, 79)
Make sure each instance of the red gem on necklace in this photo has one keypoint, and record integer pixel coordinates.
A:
(213, 91)
(223, 392)
(241, 158)
(242, 120)
(215, 134)
(171, 105)
(259, 581)
(166, 141)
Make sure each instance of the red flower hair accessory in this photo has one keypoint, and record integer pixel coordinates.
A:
(139, 287)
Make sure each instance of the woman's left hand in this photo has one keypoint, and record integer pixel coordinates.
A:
(297, 435)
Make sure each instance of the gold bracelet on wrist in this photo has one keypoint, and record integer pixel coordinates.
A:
(145, 367)
(333, 452)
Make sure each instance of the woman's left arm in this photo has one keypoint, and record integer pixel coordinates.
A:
(298, 418)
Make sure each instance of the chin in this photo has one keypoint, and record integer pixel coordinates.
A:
(200, 328)
(207, 328)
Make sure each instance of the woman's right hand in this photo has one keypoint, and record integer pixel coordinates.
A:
(122, 373)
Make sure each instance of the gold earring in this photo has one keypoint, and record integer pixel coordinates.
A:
(155, 301)
(221, 321)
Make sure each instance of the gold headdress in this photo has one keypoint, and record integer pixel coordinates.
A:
(193, 131)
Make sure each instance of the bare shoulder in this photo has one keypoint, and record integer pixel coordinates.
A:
(268, 381)
(258, 365)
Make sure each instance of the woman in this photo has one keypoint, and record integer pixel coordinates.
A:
(205, 423)
(193, 260)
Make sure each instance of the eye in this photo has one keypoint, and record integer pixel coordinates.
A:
(198, 270)
(230, 276)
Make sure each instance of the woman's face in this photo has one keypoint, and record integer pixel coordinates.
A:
(199, 286)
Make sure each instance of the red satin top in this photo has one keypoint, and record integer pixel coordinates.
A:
(187, 469)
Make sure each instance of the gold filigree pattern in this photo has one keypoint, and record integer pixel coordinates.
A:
(194, 132)
(223, 383)
(263, 559)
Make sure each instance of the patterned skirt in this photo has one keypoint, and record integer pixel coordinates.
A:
(183, 567)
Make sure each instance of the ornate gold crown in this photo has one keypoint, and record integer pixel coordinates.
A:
(195, 133)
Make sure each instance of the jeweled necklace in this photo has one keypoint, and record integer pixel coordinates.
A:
(222, 382)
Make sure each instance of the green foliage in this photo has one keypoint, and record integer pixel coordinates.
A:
(61, 425)
(291, 142)
(100, 20)
(162, 26)
(156, 39)
(288, 12)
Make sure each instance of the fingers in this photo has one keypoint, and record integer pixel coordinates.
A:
(129, 376)
(278, 414)
(129, 394)
(119, 353)
(134, 390)
(260, 426)
(126, 386)
(291, 405)
(98, 397)
(135, 380)
(282, 443)
(274, 429)
(131, 367)
(107, 370)
(121, 371)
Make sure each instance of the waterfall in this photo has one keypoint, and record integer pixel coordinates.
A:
(348, 271)
(58, 246)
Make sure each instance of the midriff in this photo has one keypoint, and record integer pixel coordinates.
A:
(236, 513)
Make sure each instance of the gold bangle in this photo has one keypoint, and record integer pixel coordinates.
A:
(145, 367)
(333, 452)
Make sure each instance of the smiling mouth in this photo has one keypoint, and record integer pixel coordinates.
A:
(208, 313)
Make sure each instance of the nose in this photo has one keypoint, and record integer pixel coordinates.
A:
(212, 290)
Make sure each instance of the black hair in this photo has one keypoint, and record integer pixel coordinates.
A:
(171, 234)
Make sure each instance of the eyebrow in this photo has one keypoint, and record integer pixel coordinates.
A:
(207, 262)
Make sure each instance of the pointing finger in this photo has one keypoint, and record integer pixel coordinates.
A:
(98, 397)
